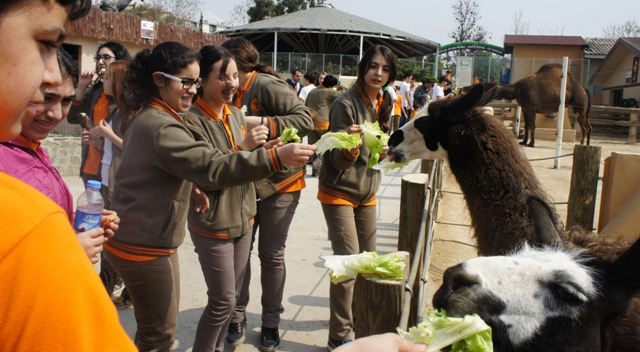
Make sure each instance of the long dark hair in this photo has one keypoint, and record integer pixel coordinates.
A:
(79, 8)
(167, 57)
(363, 66)
(119, 50)
(246, 56)
(68, 66)
(209, 56)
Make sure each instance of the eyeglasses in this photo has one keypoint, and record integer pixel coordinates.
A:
(105, 57)
(187, 83)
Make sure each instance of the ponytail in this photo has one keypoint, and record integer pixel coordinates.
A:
(168, 57)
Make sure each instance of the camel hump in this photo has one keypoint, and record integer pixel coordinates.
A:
(550, 67)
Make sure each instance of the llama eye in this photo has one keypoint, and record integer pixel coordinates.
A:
(568, 294)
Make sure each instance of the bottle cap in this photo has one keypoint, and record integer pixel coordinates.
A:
(94, 184)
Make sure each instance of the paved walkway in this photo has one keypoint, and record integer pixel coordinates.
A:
(306, 298)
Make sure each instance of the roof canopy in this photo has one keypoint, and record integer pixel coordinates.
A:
(615, 56)
(510, 40)
(325, 30)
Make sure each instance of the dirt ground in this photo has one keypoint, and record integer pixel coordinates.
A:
(453, 238)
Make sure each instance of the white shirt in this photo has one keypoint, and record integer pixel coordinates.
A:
(404, 88)
(305, 91)
(106, 159)
(437, 92)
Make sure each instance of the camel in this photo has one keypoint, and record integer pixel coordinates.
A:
(506, 202)
(546, 297)
(540, 93)
(552, 299)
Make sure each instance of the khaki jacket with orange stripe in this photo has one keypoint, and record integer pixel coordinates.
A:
(160, 161)
(271, 97)
(319, 101)
(231, 209)
(342, 175)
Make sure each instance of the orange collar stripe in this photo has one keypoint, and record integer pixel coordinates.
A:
(162, 105)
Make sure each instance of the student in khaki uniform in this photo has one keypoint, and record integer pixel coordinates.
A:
(268, 101)
(347, 187)
(319, 101)
(160, 160)
(222, 234)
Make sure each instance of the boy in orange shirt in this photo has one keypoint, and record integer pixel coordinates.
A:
(40, 259)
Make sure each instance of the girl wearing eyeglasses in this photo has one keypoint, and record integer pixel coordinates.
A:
(160, 161)
(92, 100)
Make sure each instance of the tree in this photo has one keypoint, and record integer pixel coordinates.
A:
(263, 9)
(519, 26)
(181, 9)
(628, 29)
(238, 15)
(153, 13)
(467, 16)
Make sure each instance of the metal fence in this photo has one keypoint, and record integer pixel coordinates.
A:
(337, 65)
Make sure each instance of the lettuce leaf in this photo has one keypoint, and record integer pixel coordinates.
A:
(345, 267)
(342, 140)
(375, 140)
(290, 134)
(468, 334)
(386, 165)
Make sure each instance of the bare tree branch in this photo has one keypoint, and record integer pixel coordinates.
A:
(238, 15)
(467, 16)
(520, 27)
(181, 9)
(629, 28)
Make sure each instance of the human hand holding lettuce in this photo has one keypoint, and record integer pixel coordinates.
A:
(467, 334)
(372, 136)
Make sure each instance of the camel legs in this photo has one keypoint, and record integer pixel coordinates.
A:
(529, 127)
(585, 127)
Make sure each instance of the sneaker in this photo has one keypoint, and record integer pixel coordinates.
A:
(333, 344)
(235, 334)
(122, 303)
(270, 340)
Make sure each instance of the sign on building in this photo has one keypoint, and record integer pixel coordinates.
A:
(146, 32)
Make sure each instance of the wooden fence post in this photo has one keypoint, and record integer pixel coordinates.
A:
(633, 130)
(413, 199)
(378, 303)
(584, 186)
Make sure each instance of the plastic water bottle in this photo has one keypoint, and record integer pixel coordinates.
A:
(89, 208)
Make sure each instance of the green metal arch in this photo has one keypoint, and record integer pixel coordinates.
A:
(472, 45)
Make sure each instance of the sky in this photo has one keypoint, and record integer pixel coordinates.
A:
(433, 20)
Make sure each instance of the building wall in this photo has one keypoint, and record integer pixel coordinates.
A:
(527, 59)
(616, 78)
(89, 47)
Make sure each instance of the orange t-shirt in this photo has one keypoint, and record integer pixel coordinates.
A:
(52, 298)
(94, 157)
(397, 109)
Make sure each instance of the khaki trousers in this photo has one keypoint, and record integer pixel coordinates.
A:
(154, 287)
(351, 231)
(223, 264)
(273, 220)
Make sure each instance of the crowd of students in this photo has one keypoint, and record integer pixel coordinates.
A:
(190, 138)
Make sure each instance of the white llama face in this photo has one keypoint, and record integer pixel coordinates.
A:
(518, 294)
(410, 143)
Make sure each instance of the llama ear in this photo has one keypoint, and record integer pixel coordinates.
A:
(488, 95)
(544, 222)
(462, 104)
(623, 280)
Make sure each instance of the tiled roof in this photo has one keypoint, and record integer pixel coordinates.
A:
(599, 46)
(510, 39)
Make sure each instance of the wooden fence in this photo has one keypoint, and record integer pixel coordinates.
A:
(611, 116)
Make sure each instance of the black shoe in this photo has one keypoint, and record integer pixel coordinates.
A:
(235, 334)
(333, 344)
(270, 340)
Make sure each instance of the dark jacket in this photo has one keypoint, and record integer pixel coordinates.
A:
(271, 97)
(319, 101)
(343, 175)
(86, 105)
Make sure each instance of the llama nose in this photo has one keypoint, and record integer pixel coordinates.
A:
(458, 278)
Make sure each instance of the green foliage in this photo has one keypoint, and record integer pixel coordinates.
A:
(263, 9)
(152, 13)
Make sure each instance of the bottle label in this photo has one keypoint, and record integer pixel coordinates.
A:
(86, 221)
